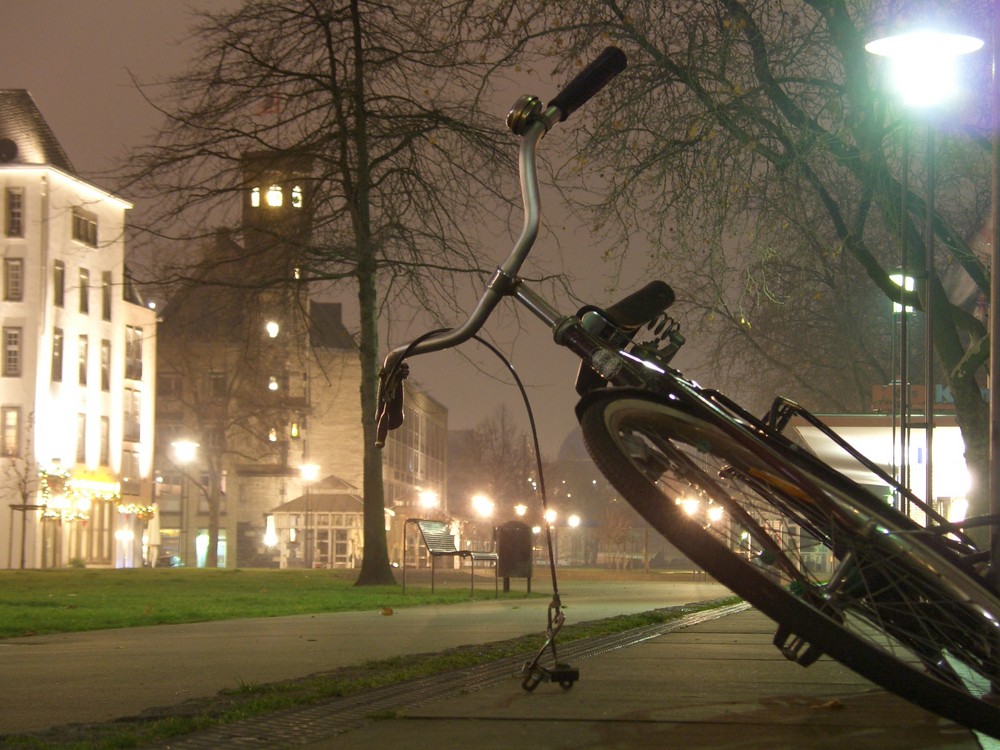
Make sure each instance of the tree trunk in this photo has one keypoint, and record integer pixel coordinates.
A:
(214, 499)
(375, 568)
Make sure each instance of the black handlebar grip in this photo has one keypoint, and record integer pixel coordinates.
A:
(641, 306)
(589, 81)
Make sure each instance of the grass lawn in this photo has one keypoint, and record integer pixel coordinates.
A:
(35, 602)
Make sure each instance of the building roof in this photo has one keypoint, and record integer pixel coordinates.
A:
(25, 137)
(323, 502)
(326, 326)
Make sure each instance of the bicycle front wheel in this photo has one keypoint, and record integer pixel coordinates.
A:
(839, 573)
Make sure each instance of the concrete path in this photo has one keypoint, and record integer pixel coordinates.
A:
(719, 685)
(102, 675)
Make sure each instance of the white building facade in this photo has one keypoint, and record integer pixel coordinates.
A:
(78, 362)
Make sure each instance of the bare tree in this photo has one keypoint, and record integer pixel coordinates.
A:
(219, 395)
(381, 101)
(754, 152)
(20, 481)
(495, 459)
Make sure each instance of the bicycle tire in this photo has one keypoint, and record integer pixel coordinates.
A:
(897, 610)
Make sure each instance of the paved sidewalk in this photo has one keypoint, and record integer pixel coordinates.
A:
(718, 685)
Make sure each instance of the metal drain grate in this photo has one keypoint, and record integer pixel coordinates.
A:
(301, 726)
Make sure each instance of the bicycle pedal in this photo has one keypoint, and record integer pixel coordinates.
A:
(565, 675)
(533, 675)
(795, 648)
(562, 674)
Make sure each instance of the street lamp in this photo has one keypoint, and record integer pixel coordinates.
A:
(482, 506)
(923, 65)
(428, 499)
(310, 473)
(185, 453)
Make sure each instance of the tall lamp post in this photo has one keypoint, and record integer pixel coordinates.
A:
(185, 452)
(923, 71)
(901, 406)
(310, 473)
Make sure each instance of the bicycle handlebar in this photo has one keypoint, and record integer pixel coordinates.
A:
(589, 81)
(531, 121)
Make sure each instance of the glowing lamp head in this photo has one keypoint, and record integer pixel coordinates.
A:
(924, 63)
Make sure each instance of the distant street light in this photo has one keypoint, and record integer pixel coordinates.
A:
(482, 506)
(185, 452)
(428, 499)
(689, 505)
(309, 473)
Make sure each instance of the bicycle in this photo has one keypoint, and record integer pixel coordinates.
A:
(840, 571)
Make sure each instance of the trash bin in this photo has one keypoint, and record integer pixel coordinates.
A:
(514, 552)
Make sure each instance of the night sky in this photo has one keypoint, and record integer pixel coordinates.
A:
(76, 56)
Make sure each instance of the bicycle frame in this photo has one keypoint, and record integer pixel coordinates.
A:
(596, 336)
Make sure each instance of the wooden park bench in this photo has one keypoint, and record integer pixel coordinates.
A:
(440, 542)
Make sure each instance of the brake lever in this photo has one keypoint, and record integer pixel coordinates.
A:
(390, 401)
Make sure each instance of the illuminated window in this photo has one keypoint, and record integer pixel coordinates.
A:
(105, 441)
(132, 410)
(106, 295)
(84, 291)
(10, 424)
(13, 279)
(58, 283)
(294, 430)
(255, 197)
(84, 227)
(82, 350)
(15, 212)
(11, 352)
(297, 197)
(105, 365)
(133, 352)
(81, 438)
(57, 355)
(130, 472)
(274, 197)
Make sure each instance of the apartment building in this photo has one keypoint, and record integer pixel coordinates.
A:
(77, 373)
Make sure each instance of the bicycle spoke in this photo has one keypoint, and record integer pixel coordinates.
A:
(870, 581)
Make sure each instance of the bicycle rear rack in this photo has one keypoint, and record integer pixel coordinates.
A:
(781, 413)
